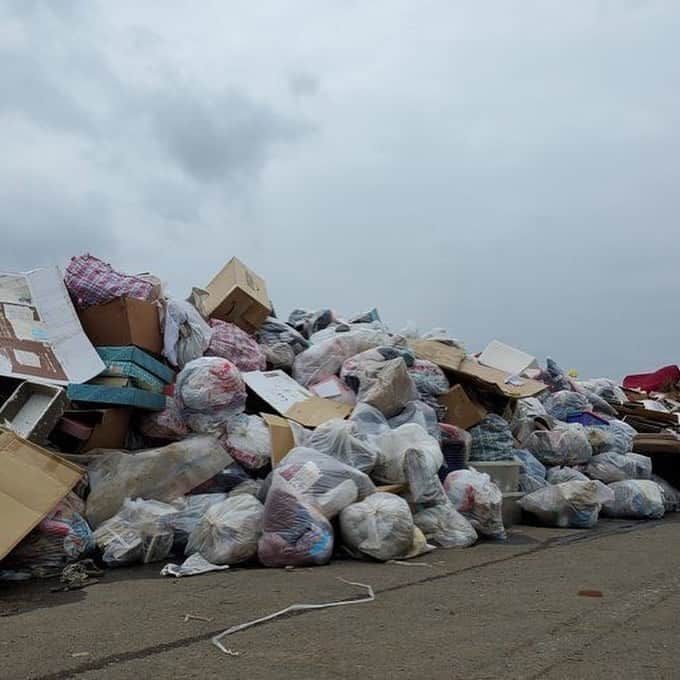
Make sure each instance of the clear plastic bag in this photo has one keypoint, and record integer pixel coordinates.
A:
(229, 531)
(393, 445)
(570, 504)
(529, 407)
(279, 355)
(616, 437)
(635, 499)
(167, 424)
(248, 441)
(444, 526)
(188, 512)
(531, 472)
(325, 359)
(186, 335)
(478, 499)
(566, 444)
(563, 403)
(209, 391)
(230, 342)
(380, 527)
(492, 439)
(162, 474)
(558, 475)
(429, 379)
(136, 533)
(671, 496)
(615, 467)
(338, 439)
(605, 388)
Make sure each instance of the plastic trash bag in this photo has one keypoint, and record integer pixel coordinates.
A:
(325, 359)
(248, 441)
(186, 336)
(559, 475)
(554, 377)
(429, 379)
(209, 391)
(455, 445)
(393, 445)
(567, 444)
(491, 439)
(274, 332)
(333, 388)
(605, 388)
(444, 526)
(615, 467)
(167, 424)
(418, 413)
(562, 404)
(570, 504)
(308, 322)
(91, 281)
(192, 566)
(62, 537)
(229, 531)
(188, 513)
(476, 497)
(671, 496)
(279, 356)
(531, 472)
(635, 499)
(529, 407)
(294, 532)
(230, 342)
(136, 533)
(616, 437)
(338, 438)
(162, 474)
(225, 480)
(380, 527)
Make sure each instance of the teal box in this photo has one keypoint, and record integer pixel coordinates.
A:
(139, 376)
(116, 396)
(134, 355)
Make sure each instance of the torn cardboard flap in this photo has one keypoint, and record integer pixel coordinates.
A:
(293, 401)
(461, 411)
(32, 482)
(466, 368)
(281, 436)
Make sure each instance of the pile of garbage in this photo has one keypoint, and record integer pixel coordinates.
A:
(207, 432)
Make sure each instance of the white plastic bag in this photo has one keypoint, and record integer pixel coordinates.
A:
(248, 441)
(444, 526)
(567, 444)
(380, 527)
(558, 475)
(229, 531)
(338, 438)
(186, 336)
(570, 504)
(635, 499)
(614, 467)
(476, 497)
(162, 474)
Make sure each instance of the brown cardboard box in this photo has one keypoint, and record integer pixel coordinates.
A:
(32, 482)
(124, 321)
(461, 411)
(86, 429)
(239, 295)
(281, 436)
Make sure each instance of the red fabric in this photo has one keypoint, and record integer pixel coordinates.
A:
(230, 342)
(93, 282)
(653, 382)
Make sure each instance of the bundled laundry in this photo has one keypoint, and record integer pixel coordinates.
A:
(138, 427)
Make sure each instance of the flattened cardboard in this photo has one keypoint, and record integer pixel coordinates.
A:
(41, 338)
(281, 436)
(506, 358)
(124, 321)
(461, 411)
(237, 294)
(32, 482)
(293, 401)
(466, 368)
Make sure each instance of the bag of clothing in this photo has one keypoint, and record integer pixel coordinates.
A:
(248, 441)
(167, 424)
(339, 439)
(91, 281)
(614, 467)
(529, 407)
(564, 403)
(492, 439)
(274, 332)
(616, 437)
(186, 335)
(229, 531)
(558, 475)
(567, 444)
(380, 527)
(570, 504)
(476, 497)
(671, 496)
(230, 342)
(444, 526)
(188, 513)
(209, 391)
(161, 474)
(429, 379)
(531, 472)
(635, 499)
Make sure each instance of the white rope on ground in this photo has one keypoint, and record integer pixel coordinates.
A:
(293, 607)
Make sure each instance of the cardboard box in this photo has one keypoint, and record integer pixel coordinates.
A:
(506, 358)
(82, 431)
(467, 369)
(32, 482)
(461, 411)
(116, 396)
(33, 410)
(281, 436)
(124, 321)
(142, 370)
(239, 295)
(290, 399)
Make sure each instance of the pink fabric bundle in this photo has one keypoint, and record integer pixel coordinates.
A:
(230, 342)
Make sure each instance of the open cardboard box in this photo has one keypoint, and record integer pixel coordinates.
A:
(32, 482)
(461, 411)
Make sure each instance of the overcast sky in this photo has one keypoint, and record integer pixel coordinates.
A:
(503, 169)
